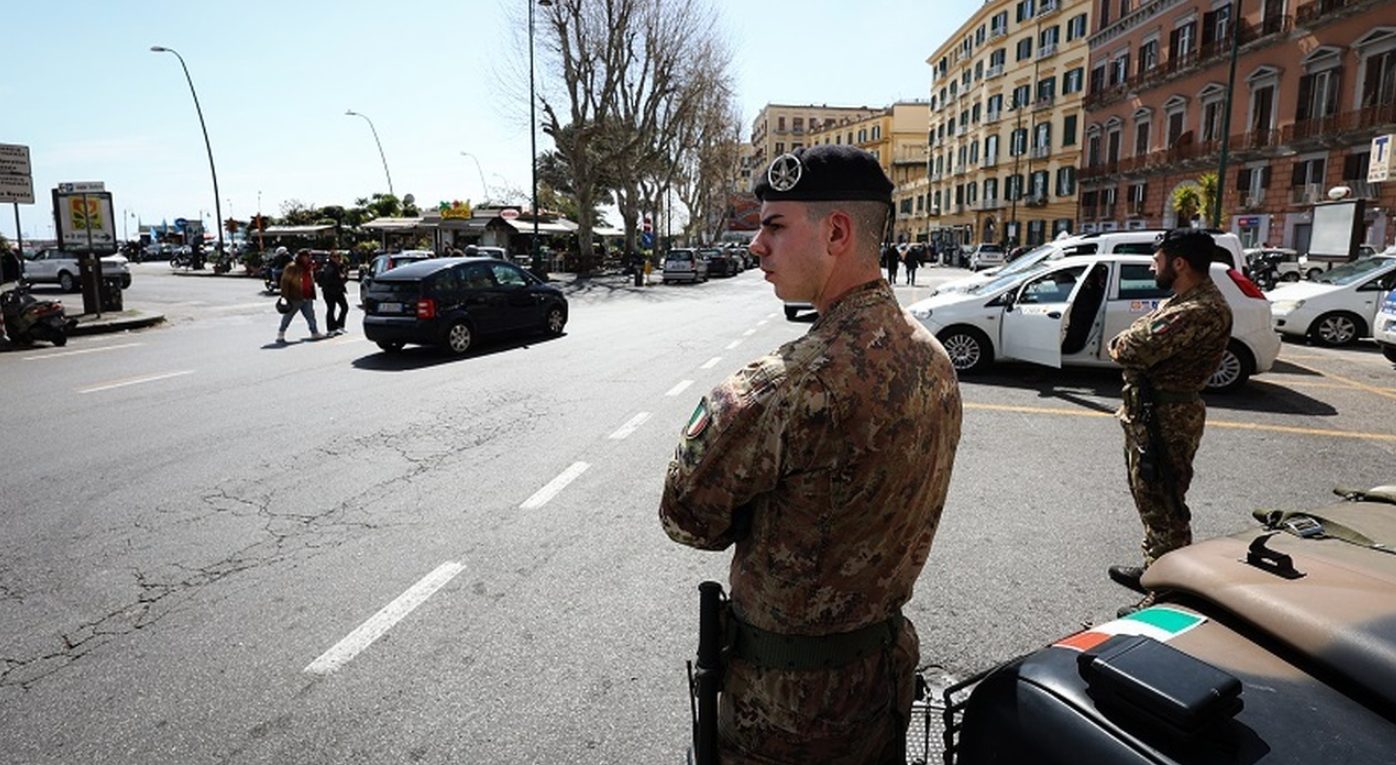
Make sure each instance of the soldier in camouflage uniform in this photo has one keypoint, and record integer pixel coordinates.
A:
(826, 464)
(1168, 355)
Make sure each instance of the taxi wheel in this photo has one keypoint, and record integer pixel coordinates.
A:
(1313, 274)
(1234, 370)
(459, 337)
(1335, 329)
(67, 283)
(1292, 276)
(968, 348)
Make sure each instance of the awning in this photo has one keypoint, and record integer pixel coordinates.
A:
(392, 224)
(526, 227)
(608, 232)
(296, 231)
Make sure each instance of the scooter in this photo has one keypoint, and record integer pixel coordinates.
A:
(28, 318)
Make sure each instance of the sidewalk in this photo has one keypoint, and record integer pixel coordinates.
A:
(115, 321)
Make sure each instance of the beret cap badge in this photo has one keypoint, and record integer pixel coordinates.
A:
(784, 172)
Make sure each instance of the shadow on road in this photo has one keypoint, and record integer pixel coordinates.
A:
(424, 356)
(1083, 387)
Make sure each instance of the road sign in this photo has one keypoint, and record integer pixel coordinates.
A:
(16, 174)
(1379, 166)
(181, 223)
(509, 213)
(647, 239)
(17, 188)
(81, 187)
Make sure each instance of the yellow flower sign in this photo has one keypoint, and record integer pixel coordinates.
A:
(455, 209)
(84, 214)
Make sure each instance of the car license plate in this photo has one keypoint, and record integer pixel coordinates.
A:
(390, 307)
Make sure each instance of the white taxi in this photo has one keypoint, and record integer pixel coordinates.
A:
(1337, 307)
(1385, 330)
(1066, 314)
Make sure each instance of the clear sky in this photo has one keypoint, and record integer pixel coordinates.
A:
(80, 86)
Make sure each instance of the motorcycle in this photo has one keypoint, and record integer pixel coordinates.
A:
(28, 318)
(1265, 270)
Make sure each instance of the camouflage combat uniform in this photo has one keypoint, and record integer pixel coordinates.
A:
(1176, 347)
(826, 463)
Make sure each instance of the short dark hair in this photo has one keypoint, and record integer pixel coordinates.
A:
(1194, 246)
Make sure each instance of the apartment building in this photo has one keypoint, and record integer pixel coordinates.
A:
(1006, 123)
(897, 137)
(782, 127)
(1314, 82)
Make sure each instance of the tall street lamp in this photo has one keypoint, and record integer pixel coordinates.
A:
(533, 136)
(217, 205)
(352, 113)
(478, 169)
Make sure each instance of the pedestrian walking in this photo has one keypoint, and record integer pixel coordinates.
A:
(298, 288)
(913, 262)
(1168, 355)
(826, 464)
(892, 260)
(333, 278)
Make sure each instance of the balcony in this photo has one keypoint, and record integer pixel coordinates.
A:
(992, 115)
(911, 155)
(990, 160)
(1051, 6)
(1361, 189)
(1050, 49)
(1311, 13)
(993, 71)
(991, 204)
(959, 169)
(997, 32)
(1340, 128)
(1040, 152)
(1043, 102)
(1306, 194)
(1255, 140)
(1035, 200)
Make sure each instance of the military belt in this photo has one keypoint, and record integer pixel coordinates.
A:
(1170, 397)
(774, 650)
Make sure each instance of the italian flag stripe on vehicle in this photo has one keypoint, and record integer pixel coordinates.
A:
(1158, 622)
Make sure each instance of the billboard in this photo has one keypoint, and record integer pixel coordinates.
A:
(85, 221)
(1337, 230)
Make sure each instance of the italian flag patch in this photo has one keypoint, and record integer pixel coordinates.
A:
(1158, 622)
(699, 421)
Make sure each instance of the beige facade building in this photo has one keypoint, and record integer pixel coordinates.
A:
(783, 127)
(1006, 123)
(897, 137)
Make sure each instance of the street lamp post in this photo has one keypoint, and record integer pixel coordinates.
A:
(1236, 21)
(485, 187)
(533, 136)
(217, 205)
(352, 113)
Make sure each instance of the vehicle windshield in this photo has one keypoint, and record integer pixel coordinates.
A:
(678, 257)
(1004, 280)
(1029, 260)
(1354, 271)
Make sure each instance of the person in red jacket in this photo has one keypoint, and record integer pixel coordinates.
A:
(298, 287)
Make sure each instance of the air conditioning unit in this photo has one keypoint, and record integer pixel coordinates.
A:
(1252, 201)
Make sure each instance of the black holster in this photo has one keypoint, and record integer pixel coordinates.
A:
(1150, 453)
(705, 675)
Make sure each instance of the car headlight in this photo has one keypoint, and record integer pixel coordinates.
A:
(921, 313)
(1286, 306)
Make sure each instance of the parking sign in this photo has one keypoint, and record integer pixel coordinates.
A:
(1379, 167)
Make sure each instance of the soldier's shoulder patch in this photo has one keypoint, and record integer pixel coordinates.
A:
(699, 421)
(1160, 325)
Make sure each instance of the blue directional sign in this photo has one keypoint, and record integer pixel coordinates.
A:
(647, 239)
(180, 223)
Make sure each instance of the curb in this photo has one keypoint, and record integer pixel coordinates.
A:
(101, 326)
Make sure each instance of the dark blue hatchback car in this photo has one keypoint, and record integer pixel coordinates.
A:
(451, 302)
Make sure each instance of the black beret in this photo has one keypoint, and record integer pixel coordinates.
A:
(824, 173)
(1190, 241)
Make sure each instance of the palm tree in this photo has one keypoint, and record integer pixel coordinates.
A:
(1187, 200)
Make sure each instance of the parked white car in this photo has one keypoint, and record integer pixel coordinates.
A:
(986, 256)
(52, 266)
(1337, 307)
(1066, 313)
(1385, 330)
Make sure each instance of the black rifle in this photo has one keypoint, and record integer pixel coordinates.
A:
(705, 680)
(1151, 466)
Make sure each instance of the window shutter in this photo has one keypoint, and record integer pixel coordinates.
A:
(1306, 93)
(1297, 177)
(1265, 178)
(1243, 179)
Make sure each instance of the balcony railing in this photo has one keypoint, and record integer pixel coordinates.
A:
(1309, 13)
(990, 160)
(913, 155)
(1255, 140)
(1040, 152)
(993, 71)
(1050, 49)
(1035, 200)
(992, 115)
(1043, 102)
(959, 168)
(1051, 6)
(997, 32)
(1339, 127)
(991, 204)
(1361, 189)
(1306, 194)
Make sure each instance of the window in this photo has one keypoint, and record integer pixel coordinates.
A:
(1255, 180)
(508, 277)
(1175, 126)
(979, 35)
(1137, 283)
(1212, 120)
(1037, 184)
(1025, 10)
(1049, 36)
(1076, 27)
(1013, 187)
(991, 148)
(799, 124)
(1098, 78)
(1054, 287)
(1308, 172)
(1037, 233)
(1262, 108)
(1141, 138)
(1042, 135)
(1119, 69)
(1069, 130)
(1379, 79)
(1318, 95)
(780, 148)
(1215, 25)
(1018, 142)
(1046, 89)
(1072, 80)
(876, 132)
(1180, 41)
(905, 208)
(974, 153)
(780, 123)
(1355, 166)
(998, 57)
(999, 24)
(991, 189)
(1024, 49)
(1112, 145)
(862, 135)
(1093, 150)
(1066, 181)
(996, 103)
(972, 192)
(1022, 96)
(1148, 56)
(1104, 13)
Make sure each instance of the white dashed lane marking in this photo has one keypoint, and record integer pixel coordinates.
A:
(749, 333)
(680, 388)
(543, 495)
(61, 354)
(134, 381)
(378, 624)
(710, 363)
(733, 344)
(630, 426)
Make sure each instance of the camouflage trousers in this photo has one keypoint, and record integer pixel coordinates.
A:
(1162, 502)
(853, 714)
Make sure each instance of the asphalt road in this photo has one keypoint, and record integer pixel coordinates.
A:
(219, 550)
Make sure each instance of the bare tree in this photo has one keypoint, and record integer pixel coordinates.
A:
(709, 164)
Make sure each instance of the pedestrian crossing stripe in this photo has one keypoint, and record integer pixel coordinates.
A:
(1161, 623)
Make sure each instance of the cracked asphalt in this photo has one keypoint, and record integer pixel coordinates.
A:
(175, 551)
